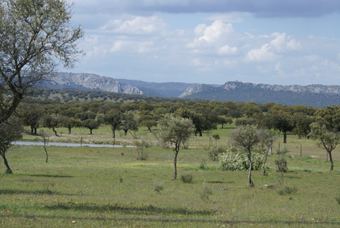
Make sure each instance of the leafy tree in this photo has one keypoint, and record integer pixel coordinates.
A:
(247, 137)
(68, 122)
(225, 120)
(301, 124)
(90, 124)
(176, 131)
(50, 122)
(31, 115)
(10, 130)
(326, 139)
(148, 121)
(280, 120)
(85, 116)
(128, 122)
(34, 36)
(114, 119)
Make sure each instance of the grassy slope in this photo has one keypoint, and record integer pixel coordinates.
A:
(85, 183)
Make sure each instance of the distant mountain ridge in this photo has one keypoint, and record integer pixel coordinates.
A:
(88, 81)
(310, 95)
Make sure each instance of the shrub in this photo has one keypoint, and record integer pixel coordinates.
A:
(203, 163)
(205, 193)
(187, 178)
(281, 165)
(214, 153)
(237, 161)
(159, 185)
(285, 190)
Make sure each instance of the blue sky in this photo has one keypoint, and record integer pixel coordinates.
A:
(199, 41)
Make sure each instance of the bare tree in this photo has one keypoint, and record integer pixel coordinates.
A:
(34, 37)
(247, 137)
(10, 130)
(267, 138)
(175, 130)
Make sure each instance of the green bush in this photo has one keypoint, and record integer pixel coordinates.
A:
(187, 178)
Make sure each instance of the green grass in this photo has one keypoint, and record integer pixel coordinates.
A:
(84, 184)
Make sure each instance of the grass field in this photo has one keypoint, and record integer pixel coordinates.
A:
(101, 187)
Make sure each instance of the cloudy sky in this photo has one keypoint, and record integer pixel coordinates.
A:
(211, 41)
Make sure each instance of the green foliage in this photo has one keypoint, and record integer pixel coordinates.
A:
(238, 161)
(281, 165)
(214, 153)
(187, 178)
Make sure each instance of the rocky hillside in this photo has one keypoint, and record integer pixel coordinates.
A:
(90, 82)
(311, 95)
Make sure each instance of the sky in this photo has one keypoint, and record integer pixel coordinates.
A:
(285, 42)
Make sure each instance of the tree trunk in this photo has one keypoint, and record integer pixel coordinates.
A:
(250, 167)
(284, 137)
(55, 132)
(175, 164)
(222, 125)
(331, 159)
(199, 131)
(6, 163)
(264, 163)
(90, 131)
(149, 128)
(35, 131)
(125, 131)
(271, 149)
(113, 132)
(69, 130)
(32, 130)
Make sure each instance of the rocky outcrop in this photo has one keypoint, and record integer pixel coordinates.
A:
(91, 81)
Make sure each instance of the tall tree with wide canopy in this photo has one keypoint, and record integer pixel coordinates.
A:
(175, 130)
(34, 36)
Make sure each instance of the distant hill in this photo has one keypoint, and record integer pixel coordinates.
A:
(84, 81)
(88, 82)
(311, 95)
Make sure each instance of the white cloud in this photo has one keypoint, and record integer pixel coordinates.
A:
(264, 54)
(283, 43)
(135, 25)
(227, 50)
(124, 46)
(217, 30)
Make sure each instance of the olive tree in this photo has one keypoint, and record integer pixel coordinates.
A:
(247, 137)
(175, 131)
(35, 35)
(326, 139)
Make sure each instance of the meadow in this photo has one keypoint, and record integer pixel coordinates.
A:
(110, 187)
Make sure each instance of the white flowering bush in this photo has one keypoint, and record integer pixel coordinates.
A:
(238, 161)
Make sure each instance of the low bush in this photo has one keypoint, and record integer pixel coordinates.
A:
(285, 190)
(187, 178)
